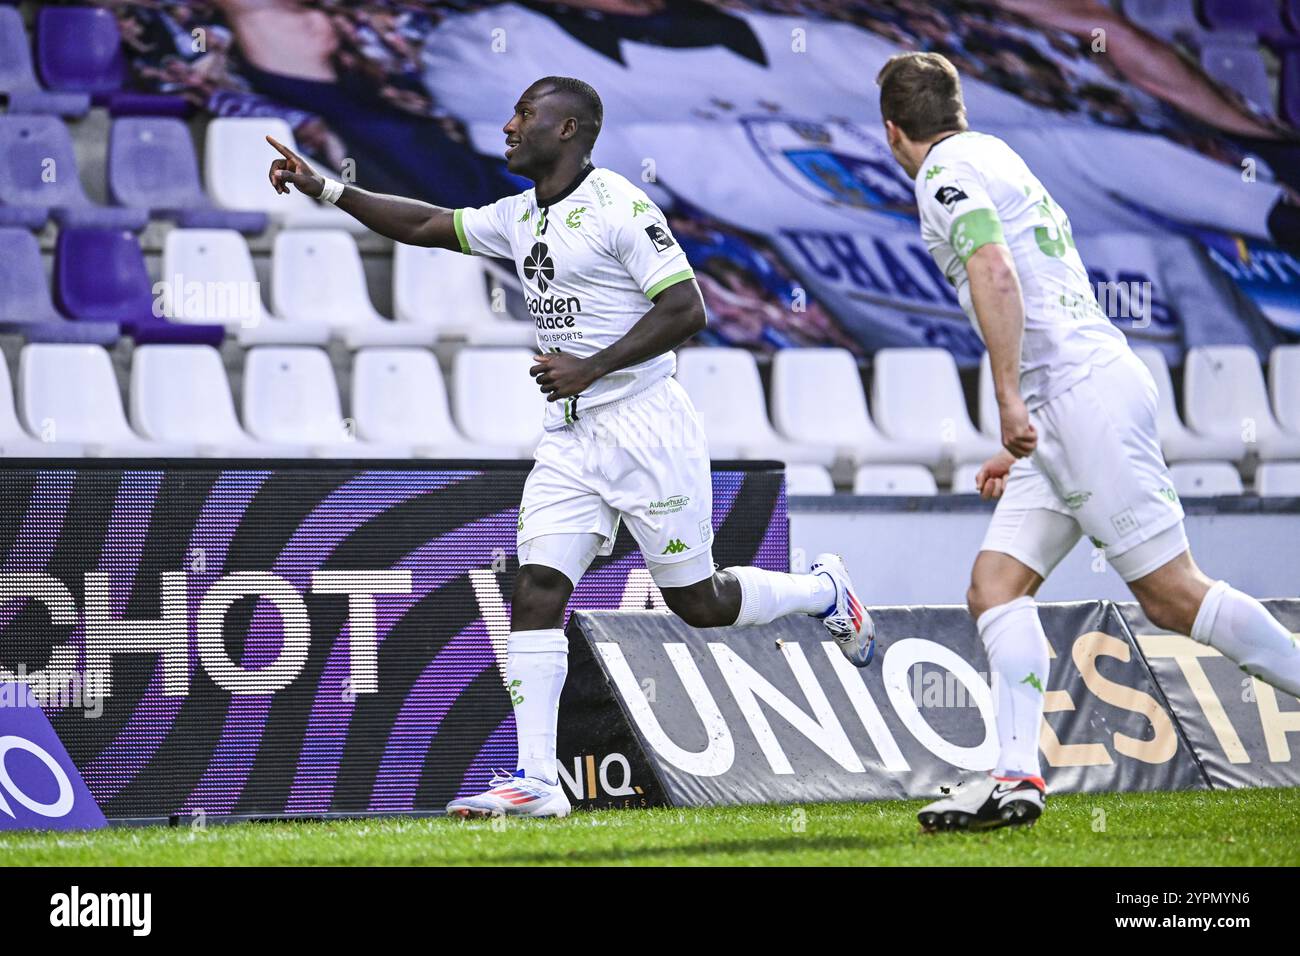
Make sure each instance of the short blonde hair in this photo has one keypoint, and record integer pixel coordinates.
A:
(920, 93)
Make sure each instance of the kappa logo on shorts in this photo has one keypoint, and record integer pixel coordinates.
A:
(1124, 522)
(675, 546)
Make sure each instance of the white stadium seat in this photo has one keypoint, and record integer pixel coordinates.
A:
(808, 480)
(292, 397)
(1177, 441)
(963, 479)
(817, 397)
(236, 161)
(1278, 479)
(399, 397)
(894, 480)
(317, 275)
(990, 422)
(725, 388)
(1205, 479)
(216, 265)
(15, 442)
(916, 396)
(1224, 395)
(181, 393)
(1284, 386)
(447, 291)
(70, 392)
(495, 400)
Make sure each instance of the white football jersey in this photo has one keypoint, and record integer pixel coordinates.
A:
(971, 190)
(590, 261)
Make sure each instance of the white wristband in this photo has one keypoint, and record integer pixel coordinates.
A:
(331, 191)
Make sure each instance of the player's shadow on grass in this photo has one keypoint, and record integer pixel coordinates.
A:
(792, 844)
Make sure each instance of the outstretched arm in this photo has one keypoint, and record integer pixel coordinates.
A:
(405, 220)
(677, 314)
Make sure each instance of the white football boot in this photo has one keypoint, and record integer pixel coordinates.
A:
(986, 803)
(847, 620)
(513, 795)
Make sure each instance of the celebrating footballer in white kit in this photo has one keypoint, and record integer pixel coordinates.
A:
(1078, 417)
(612, 295)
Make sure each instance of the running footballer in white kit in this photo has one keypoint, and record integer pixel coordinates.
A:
(611, 294)
(1078, 417)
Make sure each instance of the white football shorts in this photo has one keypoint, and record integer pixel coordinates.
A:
(643, 460)
(1097, 471)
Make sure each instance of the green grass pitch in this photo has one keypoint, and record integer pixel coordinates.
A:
(1241, 827)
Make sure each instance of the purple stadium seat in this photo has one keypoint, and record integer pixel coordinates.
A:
(18, 82)
(1236, 62)
(1260, 17)
(38, 172)
(100, 275)
(151, 165)
(25, 305)
(79, 50)
(1289, 87)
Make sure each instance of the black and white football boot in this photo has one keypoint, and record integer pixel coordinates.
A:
(985, 803)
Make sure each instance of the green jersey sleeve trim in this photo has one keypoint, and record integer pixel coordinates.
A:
(457, 218)
(673, 279)
(971, 230)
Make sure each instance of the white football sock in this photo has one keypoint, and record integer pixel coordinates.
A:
(536, 665)
(1017, 649)
(1239, 628)
(767, 595)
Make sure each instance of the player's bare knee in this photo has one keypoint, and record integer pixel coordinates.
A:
(1170, 611)
(538, 599)
(697, 605)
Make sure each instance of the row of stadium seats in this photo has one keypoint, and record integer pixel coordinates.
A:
(1227, 36)
(181, 404)
(209, 286)
(80, 61)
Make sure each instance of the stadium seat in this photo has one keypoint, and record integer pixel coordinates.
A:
(1205, 479)
(1260, 18)
(724, 385)
(236, 158)
(963, 479)
(291, 397)
(181, 394)
(1235, 61)
(317, 275)
(18, 81)
(25, 305)
(228, 291)
(79, 49)
(495, 400)
(89, 413)
(817, 397)
(39, 179)
(100, 276)
(446, 291)
(399, 397)
(1289, 88)
(1167, 19)
(808, 480)
(894, 480)
(15, 442)
(1284, 386)
(1177, 441)
(1278, 479)
(151, 165)
(916, 396)
(1224, 395)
